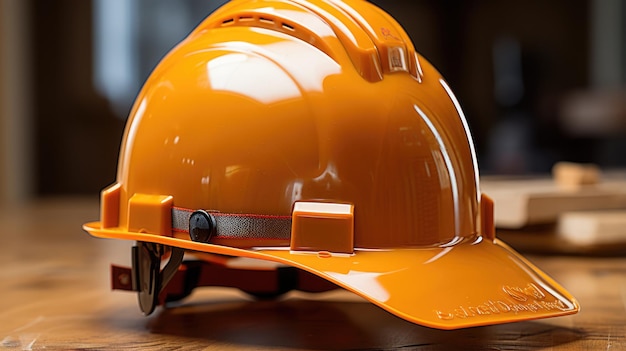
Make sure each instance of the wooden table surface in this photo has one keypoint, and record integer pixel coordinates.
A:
(55, 295)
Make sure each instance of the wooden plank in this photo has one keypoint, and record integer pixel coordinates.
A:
(593, 227)
(523, 202)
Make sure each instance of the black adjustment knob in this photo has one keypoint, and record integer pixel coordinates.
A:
(202, 226)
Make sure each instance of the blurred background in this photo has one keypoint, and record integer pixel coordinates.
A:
(540, 81)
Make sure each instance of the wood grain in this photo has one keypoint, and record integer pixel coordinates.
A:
(55, 296)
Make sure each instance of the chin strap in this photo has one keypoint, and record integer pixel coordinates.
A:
(259, 283)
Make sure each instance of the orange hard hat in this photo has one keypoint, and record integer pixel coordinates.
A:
(312, 134)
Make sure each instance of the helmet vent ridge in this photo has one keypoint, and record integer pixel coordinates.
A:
(269, 22)
(260, 21)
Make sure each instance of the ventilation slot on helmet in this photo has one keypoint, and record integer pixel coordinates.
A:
(266, 20)
(277, 24)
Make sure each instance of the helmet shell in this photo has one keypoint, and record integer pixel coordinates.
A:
(254, 125)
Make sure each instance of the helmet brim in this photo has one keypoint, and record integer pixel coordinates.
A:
(467, 284)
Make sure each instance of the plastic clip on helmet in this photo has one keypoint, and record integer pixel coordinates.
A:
(312, 135)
